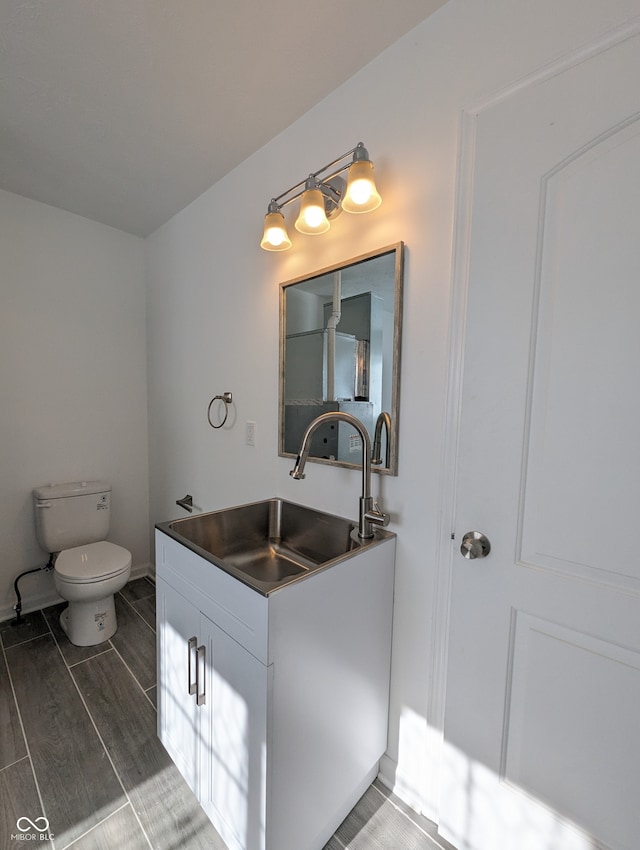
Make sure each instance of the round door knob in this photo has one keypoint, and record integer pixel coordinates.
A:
(475, 545)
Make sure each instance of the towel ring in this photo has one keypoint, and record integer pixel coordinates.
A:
(226, 399)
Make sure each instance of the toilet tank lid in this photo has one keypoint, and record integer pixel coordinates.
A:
(71, 488)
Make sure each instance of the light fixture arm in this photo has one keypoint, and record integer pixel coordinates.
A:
(358, 153)
(352, 152)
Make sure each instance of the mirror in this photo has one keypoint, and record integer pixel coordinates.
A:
(340, 332)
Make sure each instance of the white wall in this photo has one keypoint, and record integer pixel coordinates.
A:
(72, 378)
(213, 304)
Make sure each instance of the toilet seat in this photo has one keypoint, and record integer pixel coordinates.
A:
(92, 562)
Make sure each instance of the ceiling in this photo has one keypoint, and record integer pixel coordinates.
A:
(125, 111)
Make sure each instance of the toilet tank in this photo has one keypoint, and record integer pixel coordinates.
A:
(72, 514)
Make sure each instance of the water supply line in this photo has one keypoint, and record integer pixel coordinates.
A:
(332, 324)
(18, 606)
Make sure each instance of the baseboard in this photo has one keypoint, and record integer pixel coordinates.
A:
(29, 604)
(391, 778)
(387, 772)
(36, 602)
(143, 571)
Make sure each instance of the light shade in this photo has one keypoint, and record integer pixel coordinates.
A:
(275, 237)
(312, 218)
(361, 194)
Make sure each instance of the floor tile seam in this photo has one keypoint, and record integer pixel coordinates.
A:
(135, 679)
(135, 610)
(70, 667)
(104, 819)
(27, 640)
(46, 619)
(408, 817)
(95, 826)
(13, 763)
(146, 622)
(106, 749)
(110, 648)
(24, 731)
(93, 723)
(146, 693)
(151, 702)
(91, 720)
(152, 589)
(97, 731)
(62, 655)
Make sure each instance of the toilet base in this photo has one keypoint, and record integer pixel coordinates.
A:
(89, 623)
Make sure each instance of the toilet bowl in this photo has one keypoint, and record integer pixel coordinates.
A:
(88, 577)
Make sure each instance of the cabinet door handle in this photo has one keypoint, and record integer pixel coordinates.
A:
(191, 653)
(200, 676)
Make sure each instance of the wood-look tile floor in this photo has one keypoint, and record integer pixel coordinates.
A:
(79, 751)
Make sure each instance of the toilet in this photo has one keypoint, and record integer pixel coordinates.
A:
(72, 521)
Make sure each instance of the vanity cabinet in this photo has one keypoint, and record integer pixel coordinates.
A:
(274, 708)
(212, 715)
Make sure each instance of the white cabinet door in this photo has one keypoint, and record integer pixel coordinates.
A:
(178, 622)
(541, 722)
(234, 737)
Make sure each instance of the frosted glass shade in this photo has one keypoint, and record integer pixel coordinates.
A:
(361, 194)
(275, 236)
(312, 218)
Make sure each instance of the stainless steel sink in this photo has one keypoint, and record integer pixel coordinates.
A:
(271, 543)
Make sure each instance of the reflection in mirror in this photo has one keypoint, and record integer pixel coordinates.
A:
(340, 335)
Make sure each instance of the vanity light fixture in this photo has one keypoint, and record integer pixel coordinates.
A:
(323, 198)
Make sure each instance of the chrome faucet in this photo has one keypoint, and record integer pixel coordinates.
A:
(383, 419)
(369, 513)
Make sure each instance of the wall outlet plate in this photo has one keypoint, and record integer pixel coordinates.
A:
(251, 433)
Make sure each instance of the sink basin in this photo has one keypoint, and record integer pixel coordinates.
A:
(271, 543)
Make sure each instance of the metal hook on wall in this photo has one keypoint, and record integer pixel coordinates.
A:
(226, 399)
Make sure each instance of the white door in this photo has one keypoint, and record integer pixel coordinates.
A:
(542, 715)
